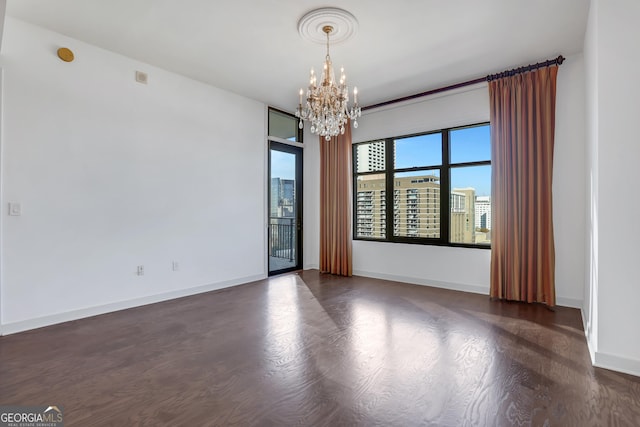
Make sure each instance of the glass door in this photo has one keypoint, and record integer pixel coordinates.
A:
(285, 208)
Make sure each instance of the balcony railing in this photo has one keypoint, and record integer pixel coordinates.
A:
(282, 240)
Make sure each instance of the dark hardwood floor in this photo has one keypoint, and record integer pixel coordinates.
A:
(320, 350)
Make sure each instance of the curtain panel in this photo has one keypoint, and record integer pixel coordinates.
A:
(522, 138)
(335, 204)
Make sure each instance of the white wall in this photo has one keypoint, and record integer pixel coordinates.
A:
(311, 200)
(612, 40)
(432, 265)
(112, 174)
(568, 182)
(441, 266)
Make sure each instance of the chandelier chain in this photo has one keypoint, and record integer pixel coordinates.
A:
(328, 43)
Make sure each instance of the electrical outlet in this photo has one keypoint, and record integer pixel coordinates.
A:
(140, 270)
(175, 266)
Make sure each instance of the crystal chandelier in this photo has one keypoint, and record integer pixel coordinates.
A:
(326, 106)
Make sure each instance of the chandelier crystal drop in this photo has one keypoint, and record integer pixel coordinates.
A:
(326, 105)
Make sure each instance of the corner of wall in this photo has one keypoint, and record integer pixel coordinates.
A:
(587, 335)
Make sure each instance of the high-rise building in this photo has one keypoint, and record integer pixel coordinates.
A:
(416, 208)
(282, 197)
(457, 204)
(465, 216)
(275, 196)
(370, 157)
(483, 212)
(370, 206)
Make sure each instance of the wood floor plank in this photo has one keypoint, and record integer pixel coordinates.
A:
(310, 349)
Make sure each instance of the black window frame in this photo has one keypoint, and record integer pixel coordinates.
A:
(444, 170)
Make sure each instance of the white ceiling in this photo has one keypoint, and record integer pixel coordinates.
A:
(253, 48)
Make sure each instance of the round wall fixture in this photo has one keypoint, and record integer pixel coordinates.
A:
(65, 54)
(344, 25)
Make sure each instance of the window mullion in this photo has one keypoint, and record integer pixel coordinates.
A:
(389, 147)
(445, 189)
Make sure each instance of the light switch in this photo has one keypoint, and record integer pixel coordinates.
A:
(15, 209)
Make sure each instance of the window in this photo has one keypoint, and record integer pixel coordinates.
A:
(470, 178)
(435, 188)
(283, 125)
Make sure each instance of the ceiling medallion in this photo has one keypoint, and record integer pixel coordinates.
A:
(326, 104)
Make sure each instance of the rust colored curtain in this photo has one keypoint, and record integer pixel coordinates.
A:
(522, 131)
(335, 204)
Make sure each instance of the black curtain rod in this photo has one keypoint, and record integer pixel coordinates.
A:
(557, 61)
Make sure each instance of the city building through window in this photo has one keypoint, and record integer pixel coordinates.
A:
(430, 188)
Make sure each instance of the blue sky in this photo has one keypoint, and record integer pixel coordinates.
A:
(471, 145)
(283, 165)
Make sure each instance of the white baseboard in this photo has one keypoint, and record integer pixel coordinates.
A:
(569, 302)
(25, 325)
(617, 363)
(311, 267)
(476, 289)
(609, 361)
